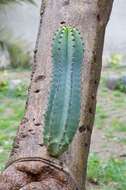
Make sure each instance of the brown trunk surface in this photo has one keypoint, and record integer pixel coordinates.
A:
(29, 165)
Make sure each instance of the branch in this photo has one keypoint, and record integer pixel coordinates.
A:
(24, 169)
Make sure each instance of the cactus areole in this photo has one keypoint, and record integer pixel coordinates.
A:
(63, 110)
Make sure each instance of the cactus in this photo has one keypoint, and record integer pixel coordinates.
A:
(63, 111)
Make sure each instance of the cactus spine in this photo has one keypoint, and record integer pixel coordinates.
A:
(63, 111)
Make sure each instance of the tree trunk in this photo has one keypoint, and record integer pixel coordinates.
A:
(29, 165)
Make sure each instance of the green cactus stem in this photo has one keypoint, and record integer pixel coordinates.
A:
(63, 111)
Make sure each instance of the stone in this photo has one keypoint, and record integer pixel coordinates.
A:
(114, 82)
(14, 83)
(111, 82)
(123, 80)
(4, 58)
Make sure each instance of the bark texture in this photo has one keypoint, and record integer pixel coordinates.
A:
(29, 165)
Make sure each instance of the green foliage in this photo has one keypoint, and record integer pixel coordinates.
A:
(118, 125)
(12, 104)
(4, 2)
(11, 112)
(117, 94)
(3, 86)
(8, 124)
(100, 117)
(17, 50)
(115, 60)
(63, 113)
(121, 86)
(109, 173)
(94, 168)
(18, 55)
(19, 91)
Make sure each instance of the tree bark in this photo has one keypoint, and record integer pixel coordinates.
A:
(29, 165)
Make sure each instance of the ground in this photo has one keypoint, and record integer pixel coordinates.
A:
(107, 164)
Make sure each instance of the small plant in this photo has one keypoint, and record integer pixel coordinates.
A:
(3, 86)
(118, 125)
(94, 168)
(121, 86)
(18, 55)
(11, 112)
(115, 60)
(109, 173)
(100, 117)
(5, 2)
(20, 91)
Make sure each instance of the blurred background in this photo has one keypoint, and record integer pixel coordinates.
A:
(19, 21)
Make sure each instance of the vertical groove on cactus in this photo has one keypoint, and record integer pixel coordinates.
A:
(63, 111)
